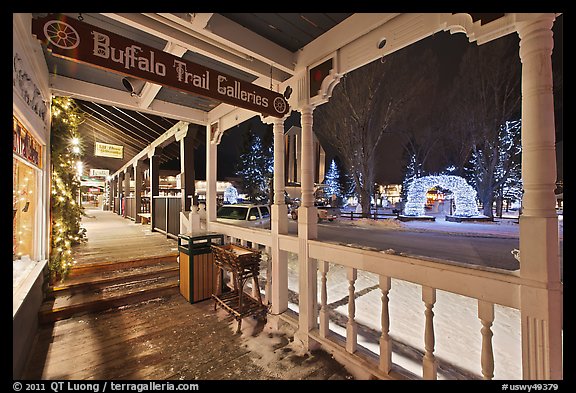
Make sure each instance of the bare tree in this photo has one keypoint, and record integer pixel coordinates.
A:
(362, 109)
(489, 87)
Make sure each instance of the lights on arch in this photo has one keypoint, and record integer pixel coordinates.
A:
(464, 195)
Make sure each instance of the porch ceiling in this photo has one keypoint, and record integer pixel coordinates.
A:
(259, 48)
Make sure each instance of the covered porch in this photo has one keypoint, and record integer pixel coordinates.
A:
(535, 291)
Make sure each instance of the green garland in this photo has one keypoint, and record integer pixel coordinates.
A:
(66, 212)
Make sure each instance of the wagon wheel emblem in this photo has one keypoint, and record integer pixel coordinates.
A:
(61, 34)
(280, 105)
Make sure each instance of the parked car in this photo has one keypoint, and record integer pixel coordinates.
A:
(324, 213)
(244, 214)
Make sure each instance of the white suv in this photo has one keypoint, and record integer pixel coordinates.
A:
(246, 215)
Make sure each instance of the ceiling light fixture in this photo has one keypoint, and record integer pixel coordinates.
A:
(133, 86)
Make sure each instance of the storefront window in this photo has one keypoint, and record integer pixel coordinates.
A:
(25, 170)
(23, 208)
(23, 218)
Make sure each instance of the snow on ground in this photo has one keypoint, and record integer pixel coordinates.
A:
(506, 226)
(458, 340)
(456, 324)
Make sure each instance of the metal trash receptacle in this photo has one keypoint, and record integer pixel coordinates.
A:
(198, 273)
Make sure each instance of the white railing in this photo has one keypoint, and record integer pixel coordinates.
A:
(487, 288)
(342, 330)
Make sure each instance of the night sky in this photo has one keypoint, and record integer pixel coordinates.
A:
(450, 49)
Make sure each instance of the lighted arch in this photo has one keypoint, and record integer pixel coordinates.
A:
(464, 195)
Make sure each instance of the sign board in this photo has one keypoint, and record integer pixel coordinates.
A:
(99, 172)
(25, 145)
(78, 41)
(107, 150)
(91, 183)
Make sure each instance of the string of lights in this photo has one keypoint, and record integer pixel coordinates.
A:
(67, 170)
(464, 195)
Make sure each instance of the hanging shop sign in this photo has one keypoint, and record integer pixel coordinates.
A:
(25, 145)
(78, 41)
(91, 183)
(99, 172)
(107, 150)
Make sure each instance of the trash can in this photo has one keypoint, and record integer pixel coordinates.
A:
(198, 273)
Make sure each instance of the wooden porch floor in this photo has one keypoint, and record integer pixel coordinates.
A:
(112, 238)
(165, 337)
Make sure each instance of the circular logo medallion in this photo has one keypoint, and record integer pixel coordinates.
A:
(61, 34)
(280, 105)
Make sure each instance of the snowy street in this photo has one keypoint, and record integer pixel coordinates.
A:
(483, 244)
(456, 324)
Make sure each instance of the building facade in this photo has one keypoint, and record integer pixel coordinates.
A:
(31, 185)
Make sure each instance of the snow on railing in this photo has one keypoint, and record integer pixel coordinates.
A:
(486, 287)
(341, 330)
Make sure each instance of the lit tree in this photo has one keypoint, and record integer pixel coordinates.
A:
(504, 157)
(333, 181)
(256, 167)
(66, 213)
(345, 182)
(362, 109)
(413, 171)
(489, 81)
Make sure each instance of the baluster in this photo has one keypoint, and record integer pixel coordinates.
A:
(268, 285)
(324, 318)
(430, 366)
(255, 292)
(486, 316)
(351, 326)
(385, 346)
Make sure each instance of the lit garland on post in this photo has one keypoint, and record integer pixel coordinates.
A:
(464, 195)
(66, 213)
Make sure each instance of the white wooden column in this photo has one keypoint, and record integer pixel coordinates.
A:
(211, 172)
(119, 189)
(307, 229)
(541, 303)
(127, 175)
(113, 193)
(154, 174)
(307, 159)
(137, 191)
(279, 225)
